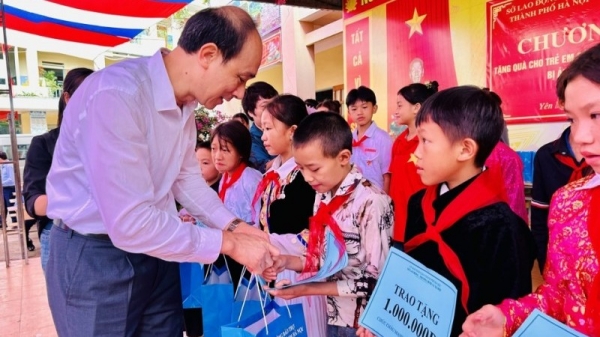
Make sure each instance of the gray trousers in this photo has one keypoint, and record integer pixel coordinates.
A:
(96, 289)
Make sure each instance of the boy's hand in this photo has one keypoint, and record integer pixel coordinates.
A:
(279, 265)
(486, 322)
(287, 293)
(363, 332)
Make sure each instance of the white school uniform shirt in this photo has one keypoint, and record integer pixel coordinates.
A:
(125, 154)
(374, 155)
(238, 198)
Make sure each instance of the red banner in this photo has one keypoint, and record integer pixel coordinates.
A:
(357, 54)
(358, 70)
(354, 7)
(271, 50)
(529, 43)
(419, 46)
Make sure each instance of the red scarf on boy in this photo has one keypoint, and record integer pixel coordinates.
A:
(485, 190)
(228, 180)
(317, 223)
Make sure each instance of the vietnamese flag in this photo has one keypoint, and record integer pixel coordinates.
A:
(419, 45)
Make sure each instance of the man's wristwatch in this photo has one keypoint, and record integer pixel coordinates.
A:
(234, 224)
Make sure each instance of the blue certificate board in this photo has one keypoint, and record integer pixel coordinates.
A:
(410, 300)
(540, 324)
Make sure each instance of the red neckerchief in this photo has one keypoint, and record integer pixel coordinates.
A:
(316, 226)
(271, 177)
(228, 181)
(485, 190)
(573, 164)
(592, 304)
(358, 143)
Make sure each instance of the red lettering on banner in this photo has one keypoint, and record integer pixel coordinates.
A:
(530, 42)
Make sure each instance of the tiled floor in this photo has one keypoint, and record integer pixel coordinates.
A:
(24, 310)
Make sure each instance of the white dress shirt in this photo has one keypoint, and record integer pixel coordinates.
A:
(125, 154)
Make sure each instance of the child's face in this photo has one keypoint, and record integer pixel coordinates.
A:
(582, 106)
(258, 111)
(405, 112)
(437, 156)
(209, 172)
(323, 173)
(277, 137)
(362, 112)
(225, 156)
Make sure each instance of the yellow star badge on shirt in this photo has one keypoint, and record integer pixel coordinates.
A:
(415, 23)
(413, 159)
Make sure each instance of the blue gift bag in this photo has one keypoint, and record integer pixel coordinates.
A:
(217, 300)
(277, 321)
(249, 298)
(192, 277)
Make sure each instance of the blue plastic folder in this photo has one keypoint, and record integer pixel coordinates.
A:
(540, 324)
(332, 262)
(410, 300)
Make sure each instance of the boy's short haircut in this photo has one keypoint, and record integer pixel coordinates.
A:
(329, 129)
(361, 93)
(254, 92)
(466, 112)
(203, 145)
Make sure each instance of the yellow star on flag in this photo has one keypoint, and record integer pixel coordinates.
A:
(413, 159)
(415, 23)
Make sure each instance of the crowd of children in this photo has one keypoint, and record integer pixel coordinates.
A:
(448, 192)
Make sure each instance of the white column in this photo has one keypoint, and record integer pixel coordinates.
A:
(33, 74)
(298, 61)
(17, 73)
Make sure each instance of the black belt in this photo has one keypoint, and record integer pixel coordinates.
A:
(62, 225)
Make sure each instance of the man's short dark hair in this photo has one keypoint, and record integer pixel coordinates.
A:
(586, 65)
(361, 93)
(254, 92)
(3, 155)
(228, 27)
(466, 112)
(329, 129)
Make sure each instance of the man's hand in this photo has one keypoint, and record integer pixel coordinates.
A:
(247, 229)
(252, 251)
(486, 322)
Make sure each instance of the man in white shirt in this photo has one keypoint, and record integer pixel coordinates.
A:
(125, 154)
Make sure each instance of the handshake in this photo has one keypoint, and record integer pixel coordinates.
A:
(250, 246)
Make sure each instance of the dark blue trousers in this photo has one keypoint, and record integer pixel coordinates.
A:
(96, 289)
